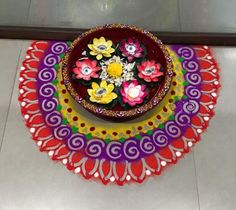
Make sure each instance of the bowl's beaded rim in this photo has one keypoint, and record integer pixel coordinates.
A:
(110, 113)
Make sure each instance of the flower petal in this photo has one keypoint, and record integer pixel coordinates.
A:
(103, 84)
(95, 86)
(93, 53)
(106, 54)
(113, 95)
(110, 88)
(95, 41)
(102, 40)
(111, 50)
(99, 57)
(90, 91)
(90, 46)
(109, 43)
(130, 58)
(93, 99)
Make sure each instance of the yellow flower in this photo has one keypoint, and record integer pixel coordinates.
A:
(100, 48)
(114, 70)
(102, 94)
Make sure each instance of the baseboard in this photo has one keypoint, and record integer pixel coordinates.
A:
(50, 33)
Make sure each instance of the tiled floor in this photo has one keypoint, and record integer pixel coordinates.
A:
(204, 180)
(169, 15)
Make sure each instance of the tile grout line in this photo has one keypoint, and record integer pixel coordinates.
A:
(11, 95)
(179, 17)
(28, 14)
(195, 171)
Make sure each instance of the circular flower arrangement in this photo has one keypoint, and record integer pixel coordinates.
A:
(117, 72)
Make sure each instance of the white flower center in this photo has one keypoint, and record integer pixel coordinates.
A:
(102, 47)
(148, 71)
(86, 70)
(130, 48)
(100, 91)
(133, 92)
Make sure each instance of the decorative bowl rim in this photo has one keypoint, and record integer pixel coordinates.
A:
(154, 101)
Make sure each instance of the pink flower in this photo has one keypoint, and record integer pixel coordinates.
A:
(86, 69)
(149, 71)
(133, 93)
(131, 49)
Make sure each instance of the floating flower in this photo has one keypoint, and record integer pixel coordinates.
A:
(102, 94)
(149, 71)
(116, 70)
(100, 48)
(131, 49)
(86, 69)
(133, 93)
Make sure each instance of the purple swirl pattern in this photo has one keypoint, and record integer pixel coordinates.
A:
(160, 139)
(59, 48)
(47, 74)
(114, 150)
(172, 129)
(192, 92)
(186, 52)
(76, 142)
(146, 145)
(51, 59)
(131, 149)
(62, 132)
(191, 107)
(95, 148)
(193, 78)
(190, 66)
(47, 90)
(53, 119)
(49, 105)
(182, 119)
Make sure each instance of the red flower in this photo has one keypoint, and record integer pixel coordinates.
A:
(131, 49)
(86, 69)
(133, 93)
(149, 71)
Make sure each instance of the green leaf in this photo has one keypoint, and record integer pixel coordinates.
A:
(88, 136)
(65, 121)
(57, 66)
(176, 98)
(184, 97)
(107, 140)
(59, 107)
(74, 129)
(122, 139)
(55, 82)
(186, 83)
(62, 55)
(56, 94)
(149, 132)
(181, 59)
(68, 43)
(161, 126)
(172, 117)
(138, 136)
(184, 71)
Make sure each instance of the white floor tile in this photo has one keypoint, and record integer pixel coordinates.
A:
(215, 155)
(9, 55)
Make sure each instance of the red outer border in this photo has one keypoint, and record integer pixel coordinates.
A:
(109, 171)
